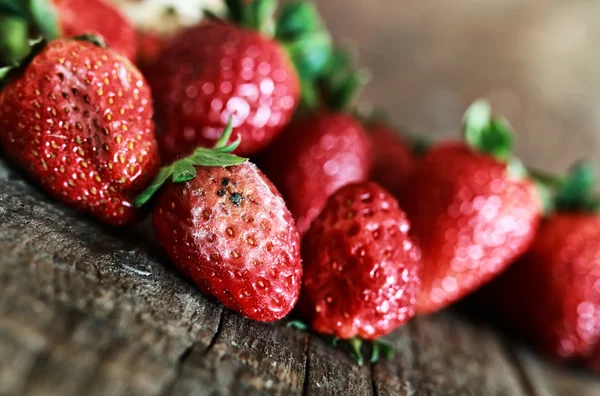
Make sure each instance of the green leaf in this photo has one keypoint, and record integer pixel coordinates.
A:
(486, 134)
(353, 348)
(159, 180)
(577, 192)
(14, 40)
(235, 8)
(477, 117)
(375, 353)
(257, 15)
(13, 8)
(343, 82)
(516, 169)
(298, 324)
(297, 18)
(44, 18)
(263, 15)
(183, 170)
(204, 157)
(225, 135)
(4, 71)
(311, 53)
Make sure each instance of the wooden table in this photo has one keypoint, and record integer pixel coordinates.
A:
(85, 310)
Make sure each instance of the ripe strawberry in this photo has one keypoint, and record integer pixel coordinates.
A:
(97, 16)
(472, 214)
(56, 18)
(393, 159)
(361, 269)
(314, 158)
(228, 229)
(215, 70)
(552, 295)
(78, 119)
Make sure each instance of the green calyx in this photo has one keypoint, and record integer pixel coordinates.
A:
(342, 82)
(184, 170)
(299, 28)
(486, 134)
(575, 192)
(9, 72)
(23, 20)
(257, 15)
(357, 349)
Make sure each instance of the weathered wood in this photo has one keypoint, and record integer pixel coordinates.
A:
(90, 310)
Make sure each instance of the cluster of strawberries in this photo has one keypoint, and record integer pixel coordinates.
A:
(354, 226)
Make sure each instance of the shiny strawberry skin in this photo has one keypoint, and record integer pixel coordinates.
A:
(213, 71)
(97, 16)
(361, 269)
(392, 158)
(552, 295)
(228, 229)
(314, 158)
(470, 219)
(79, 121)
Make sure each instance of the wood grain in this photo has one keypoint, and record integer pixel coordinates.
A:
(90, 310)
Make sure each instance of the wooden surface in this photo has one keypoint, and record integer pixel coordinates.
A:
(86, 310)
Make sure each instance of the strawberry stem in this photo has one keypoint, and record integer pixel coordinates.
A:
(354, 347)
(486, 134)
(343, 82)
(184, 169)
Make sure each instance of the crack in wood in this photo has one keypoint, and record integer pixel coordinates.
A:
(305, 384)
(522, 376)
(373, 381)
(217, 334)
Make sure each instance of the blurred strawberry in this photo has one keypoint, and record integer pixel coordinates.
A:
(472, 208)
(323, 150)
(552, 295)
(249, 68)
(393, 158)
(57, 18)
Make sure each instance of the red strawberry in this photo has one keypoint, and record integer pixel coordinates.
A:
(552, 295)
(150, 44)
(471, 213)
(78, 119)
(213, 71)
(65, 18)
(392, 156)
(97, 16)
(228, 229)
(314, 158)
(207, 73)
(360, 266)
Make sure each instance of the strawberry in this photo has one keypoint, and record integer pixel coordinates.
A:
(393, 159)
(472, 214)
(78, 118)
(55, 18)
(552, 295)
(215, 70)
(361, 269)
(226, 227)
(316, 156)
